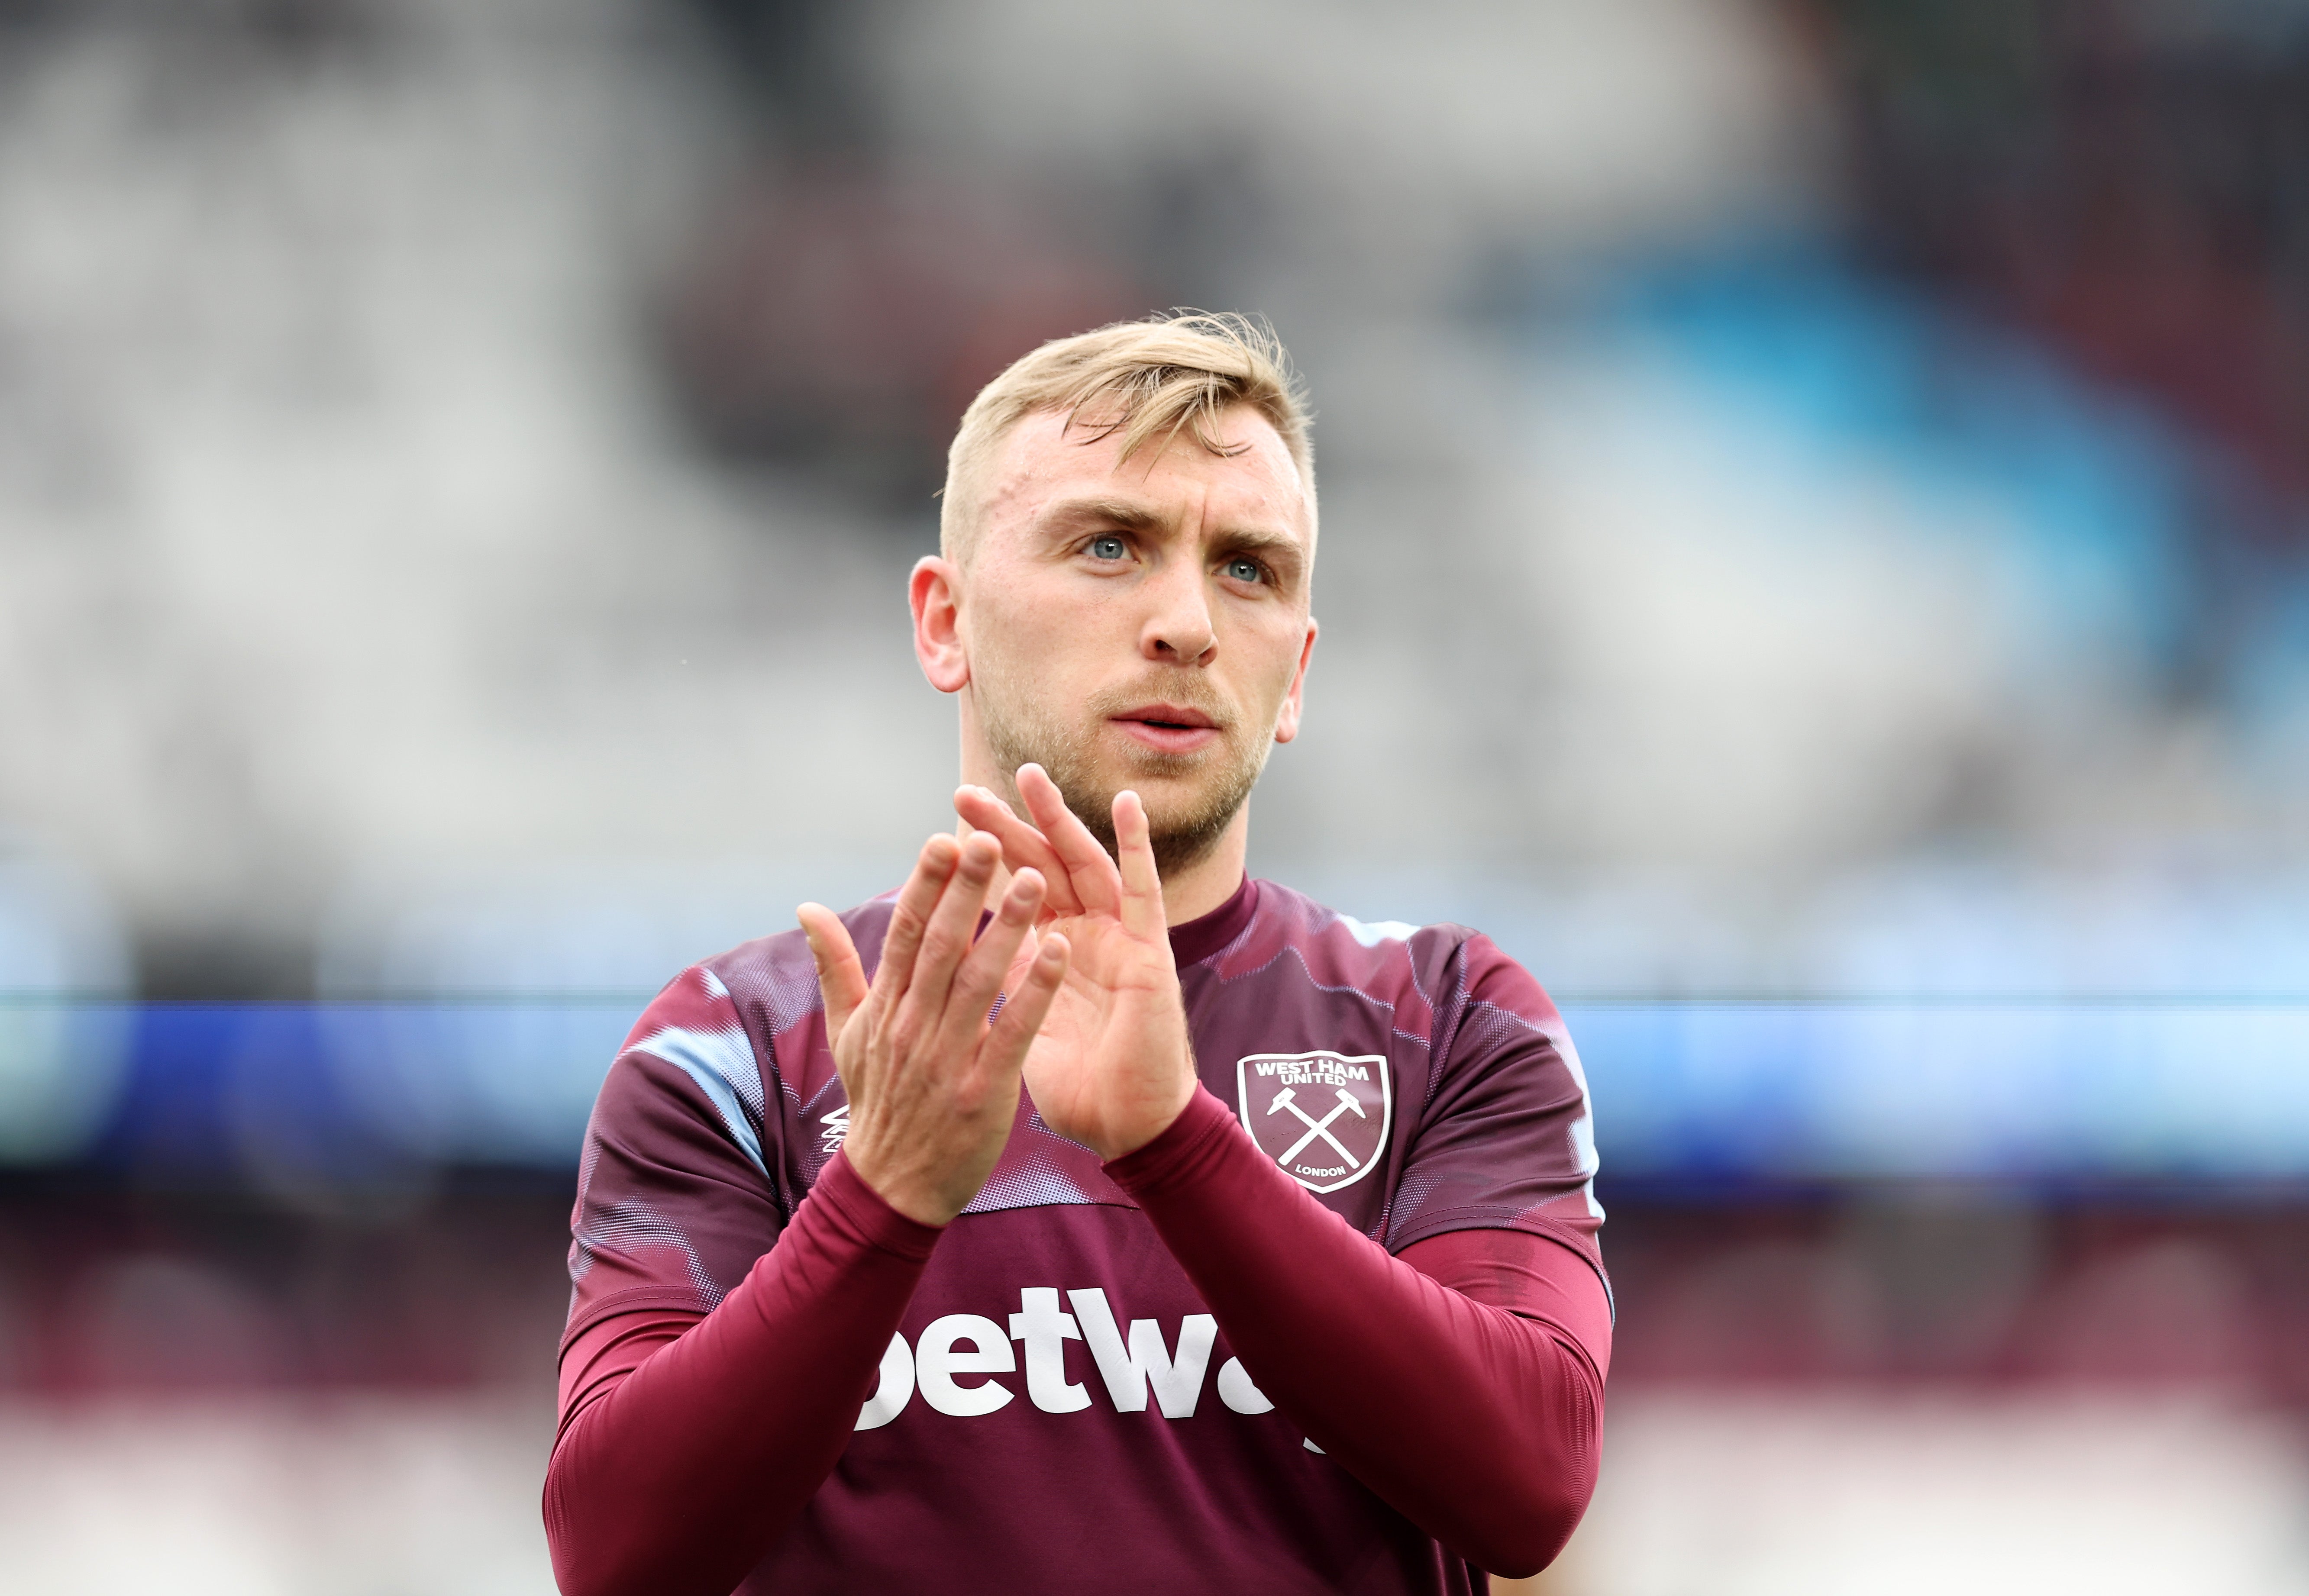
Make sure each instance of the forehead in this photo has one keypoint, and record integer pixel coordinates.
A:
(1043, 460)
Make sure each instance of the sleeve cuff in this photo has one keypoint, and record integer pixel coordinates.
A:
(860, 1209)
(1177, 1152)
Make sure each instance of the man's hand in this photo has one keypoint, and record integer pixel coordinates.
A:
(1113, 1065)
(933, 1085)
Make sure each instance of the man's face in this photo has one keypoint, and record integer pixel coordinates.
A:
(1140, 624)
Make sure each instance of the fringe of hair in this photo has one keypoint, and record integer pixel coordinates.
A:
(1143, 381)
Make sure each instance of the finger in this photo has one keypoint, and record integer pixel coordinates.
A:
(1142, 883)
(947, 938)
(1022, 847)
(909, 917)
(1014, 1029)
(1022, 962)
(841, 975)
(1089, 871)
(980, 975)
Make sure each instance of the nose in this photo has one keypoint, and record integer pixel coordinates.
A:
(1179, 631)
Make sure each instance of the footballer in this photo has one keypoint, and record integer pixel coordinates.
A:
(1086, 1215)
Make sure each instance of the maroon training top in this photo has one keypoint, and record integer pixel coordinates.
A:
(1060, 1408)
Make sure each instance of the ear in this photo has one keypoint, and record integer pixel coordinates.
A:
(1286, 724)
(935, 591)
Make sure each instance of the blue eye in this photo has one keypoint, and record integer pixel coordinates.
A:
(1244, 570)
(1108, 547)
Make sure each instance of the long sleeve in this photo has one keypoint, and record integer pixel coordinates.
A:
(689, 1442)
(1482, 1425)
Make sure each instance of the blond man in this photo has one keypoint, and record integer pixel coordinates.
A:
(1085, 1214)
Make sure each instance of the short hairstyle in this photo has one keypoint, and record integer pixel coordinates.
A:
(1142, 380)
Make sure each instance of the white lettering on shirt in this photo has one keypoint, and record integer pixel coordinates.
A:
(1128, 1372)
(1311, 1071)
(1130, 1366)
(936, 1362)
(1236, 1392)
(896, 1389)
(1044, 1331)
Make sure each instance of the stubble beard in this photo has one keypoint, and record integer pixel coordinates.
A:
(1017, 733)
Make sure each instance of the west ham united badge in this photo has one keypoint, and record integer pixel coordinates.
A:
(1323, 1117)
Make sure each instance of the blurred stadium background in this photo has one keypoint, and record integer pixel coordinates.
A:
(1816, 561)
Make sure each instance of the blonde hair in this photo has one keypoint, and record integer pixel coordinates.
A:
(1141, 381)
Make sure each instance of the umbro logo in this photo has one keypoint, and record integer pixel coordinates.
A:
(836, 1127)
(1322, 1115)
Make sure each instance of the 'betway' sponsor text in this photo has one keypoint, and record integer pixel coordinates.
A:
(954, 1362)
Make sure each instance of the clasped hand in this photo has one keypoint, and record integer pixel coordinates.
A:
(1091, 1018)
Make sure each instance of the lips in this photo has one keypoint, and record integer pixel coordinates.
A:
(1168, 714)
(1168, 727)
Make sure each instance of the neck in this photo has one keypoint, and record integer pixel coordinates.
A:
(1193, 891)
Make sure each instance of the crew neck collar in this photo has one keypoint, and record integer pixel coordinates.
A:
(1197, 939)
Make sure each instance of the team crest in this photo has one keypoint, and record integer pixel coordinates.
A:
(1323, 1117)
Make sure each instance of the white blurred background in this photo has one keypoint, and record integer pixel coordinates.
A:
(1814, 560)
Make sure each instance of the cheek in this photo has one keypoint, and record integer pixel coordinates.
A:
(1261, 681)
(1278, 650)
(1030, 626)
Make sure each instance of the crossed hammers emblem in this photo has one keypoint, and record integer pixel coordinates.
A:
(1288, 1099)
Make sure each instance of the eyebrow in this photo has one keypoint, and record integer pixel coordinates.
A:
(1284, 552)
(1068, 514)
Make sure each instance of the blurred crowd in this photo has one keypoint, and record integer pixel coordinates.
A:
(1816, 558)
(1761, 443)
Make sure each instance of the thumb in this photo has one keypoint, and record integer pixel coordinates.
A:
(841, 976)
